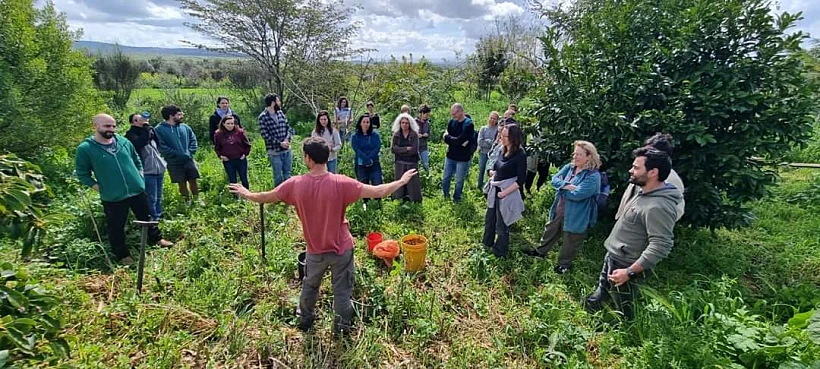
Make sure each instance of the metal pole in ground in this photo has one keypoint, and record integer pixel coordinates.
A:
(262, 221)
(143, 241)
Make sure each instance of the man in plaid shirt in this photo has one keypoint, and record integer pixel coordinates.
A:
(277, 134)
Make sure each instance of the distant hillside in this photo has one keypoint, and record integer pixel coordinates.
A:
(106, 48)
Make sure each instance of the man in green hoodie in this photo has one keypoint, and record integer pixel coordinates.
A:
(117, 176)
(642, 236)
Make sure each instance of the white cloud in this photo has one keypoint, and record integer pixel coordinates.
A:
(164, 12)
(434, 28)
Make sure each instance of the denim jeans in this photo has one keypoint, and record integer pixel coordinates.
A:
(282, 164)
(234, 167)
(153, 188)
(371, 175)
(331, 165)
(461, 169)
(425, 159)
(482, 168)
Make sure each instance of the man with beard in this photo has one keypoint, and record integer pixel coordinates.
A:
(177, 143)
(117, 176)
(642, 236)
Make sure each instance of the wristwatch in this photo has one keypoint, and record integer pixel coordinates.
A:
(630, 273)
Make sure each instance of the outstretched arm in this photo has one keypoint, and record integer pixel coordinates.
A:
(387, 189)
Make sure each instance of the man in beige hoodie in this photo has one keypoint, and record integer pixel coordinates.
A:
(642, 236)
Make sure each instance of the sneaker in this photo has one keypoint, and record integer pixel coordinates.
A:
(188, 202)
(127, 261)
(165, 243)
(561, 269)
(533, 252)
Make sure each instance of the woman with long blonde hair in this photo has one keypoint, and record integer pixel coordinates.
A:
(574, 210)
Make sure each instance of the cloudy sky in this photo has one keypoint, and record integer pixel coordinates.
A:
(434, 28)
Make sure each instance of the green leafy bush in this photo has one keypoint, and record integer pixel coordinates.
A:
(29, 328)
(723, 77)
(22, 196)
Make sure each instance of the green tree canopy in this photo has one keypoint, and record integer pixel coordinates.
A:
(46, 93)
(722, 76)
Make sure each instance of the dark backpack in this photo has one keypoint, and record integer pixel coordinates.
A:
(473, 145)
(605, 189)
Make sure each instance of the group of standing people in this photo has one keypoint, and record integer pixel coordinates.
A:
(643, 233)
(129, 171)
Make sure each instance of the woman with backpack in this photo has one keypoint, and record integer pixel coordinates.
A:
(575, 209)
(406, 150)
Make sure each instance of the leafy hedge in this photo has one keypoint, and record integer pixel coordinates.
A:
(723, 77)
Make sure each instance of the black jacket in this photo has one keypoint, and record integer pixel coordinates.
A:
(213, 124)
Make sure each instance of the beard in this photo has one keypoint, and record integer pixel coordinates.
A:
(638, 181)
(107, 134)
(178, 120)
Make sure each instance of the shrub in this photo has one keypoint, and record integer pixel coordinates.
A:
(723, 77)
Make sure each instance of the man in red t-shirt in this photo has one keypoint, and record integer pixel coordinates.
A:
(320, 198)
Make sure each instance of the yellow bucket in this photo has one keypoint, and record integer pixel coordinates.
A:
(414, 247)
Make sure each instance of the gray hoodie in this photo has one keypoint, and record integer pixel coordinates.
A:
(486, 138)
(645, 231)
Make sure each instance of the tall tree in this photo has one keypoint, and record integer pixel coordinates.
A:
(46, 90)
(724, 77)
(117, 74)
(291, 40)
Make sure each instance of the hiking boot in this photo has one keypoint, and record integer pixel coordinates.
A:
(534, 253)
(165, 243)
(559, 269)
(595, 301)
(303, 324)
(127, 261)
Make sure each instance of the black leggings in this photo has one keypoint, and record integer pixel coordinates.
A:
(543, 172)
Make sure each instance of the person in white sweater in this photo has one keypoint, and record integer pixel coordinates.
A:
(325, 130)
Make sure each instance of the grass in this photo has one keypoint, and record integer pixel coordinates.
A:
(721, 299)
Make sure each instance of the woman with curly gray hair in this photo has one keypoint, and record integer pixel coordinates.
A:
(405, 148)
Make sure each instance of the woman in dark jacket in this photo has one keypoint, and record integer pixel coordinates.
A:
(406, 151)
(223, 108)
(366, 144)
(232, 146)
(504, 203)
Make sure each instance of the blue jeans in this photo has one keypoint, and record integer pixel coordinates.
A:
(371, 175)
(425, 159)
(282, 164)
(461, 170)
(153, 188)
(234, 167)
(482, 168)
(331, 165)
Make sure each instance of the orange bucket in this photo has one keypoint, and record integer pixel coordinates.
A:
(373, 239)
(414, 247)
